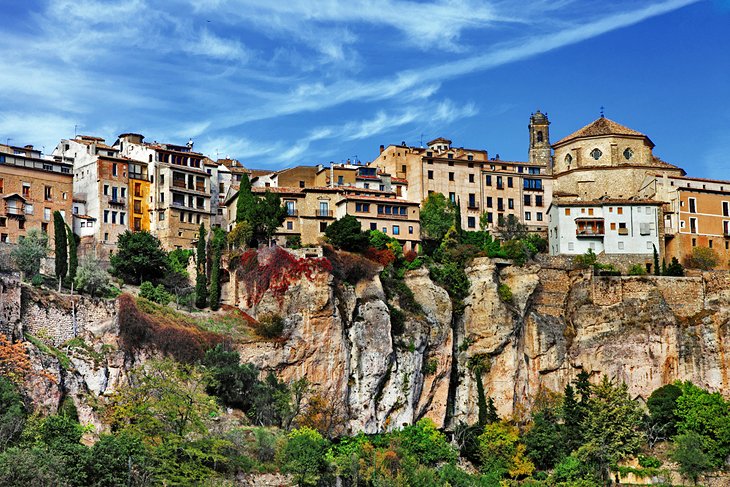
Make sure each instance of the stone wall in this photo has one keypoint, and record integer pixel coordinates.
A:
(10, 307)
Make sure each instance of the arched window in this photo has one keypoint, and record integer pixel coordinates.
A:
(596, 153)
(568, 159)
(628, 154)
(539, 135)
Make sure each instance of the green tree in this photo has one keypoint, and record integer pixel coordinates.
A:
(73, 255)
(217, 242)
(30, 251)
(510, 228)
(573, 415)
(689, 452)
(240, 235)
(118, 461)
(437, 216)
(268, 215)
(708, 415)
(201, 279)
(662, 404)
(245, 202)
(703, 258)
(92, 278)
(675, 268)
(139, 257)
(545, 439)
(12, 413)
(60, 240)
(502, 453)
(303, 457)
(612, 427)
(233, 383)
(657, 269)
(346, 234)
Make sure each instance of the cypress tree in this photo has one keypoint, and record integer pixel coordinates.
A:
(73, 258)
(215, 272)
(245, 202)
(60, 240)
(201, 280)
(657, 269)
(458, 217)
(664, 267)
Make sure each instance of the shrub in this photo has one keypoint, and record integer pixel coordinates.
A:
(294, 241)
(675, 269)
(303, 456)
(703, 258)
(156, 294)
(586, 260)
(346, 233)
(383, 257)
(270, 326)
(92, 278)
(397, 321)
(637, 270)
(349, 267)
(139, 258)
(37, 280)
(29, 252)
(505, 293)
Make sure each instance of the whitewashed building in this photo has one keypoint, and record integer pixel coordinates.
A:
(606, 226)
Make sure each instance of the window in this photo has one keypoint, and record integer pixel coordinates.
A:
(451, 176)
(21, 224)
(47, 193)
(568, 159)
(539, 135)
(289, 225)
(2, 185)
(620, 245)
(527, 200)
(628, 154)
(538, 215)
(489, 201)
(290, 209)
(725, 204)
(693, 225)
(106, 189)
(396, 230)
(644, 229)
(620, 210)
(3, 222)
(726, 228)
(489, 180)
(471, 222)
(161, 216)
(26, 190)
(47, 214)
(538, 200)
(340, 180)
(182, 217)
(410, 230)
(124, 192)
(499, 182)
(528, 216)
(489, 217)
(710, 243)
(122, 218)
(693, 205)
(452, 197)
(511, 203)
(450, 156)
(471, 179)
(324, 208)
(694, 242)
(590, 211)
(500, 204)
(472, 200)
(114, 169)
(106, 216)
(613, 225)
(532, 183)
(362, 207)
(385, 229)
(622, 230)
(596, 153)
(430, 174)
(373, 226)
(28, 209)
(571, 246)
(509, 182)
(114, 217)
(567, 212)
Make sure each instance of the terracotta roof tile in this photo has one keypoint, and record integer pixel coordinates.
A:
(599, 127)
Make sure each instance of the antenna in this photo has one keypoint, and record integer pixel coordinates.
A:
(421, 140)
(602, 111)
(75, 130)
(7, 141)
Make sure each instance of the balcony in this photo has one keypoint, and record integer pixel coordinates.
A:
(589, 232)
(589, 228)
(669, 232)
(623, 231)
(292, 212)
(472, 206)
(179, 183)
(324, 214)
(14, 211)
(117, 201)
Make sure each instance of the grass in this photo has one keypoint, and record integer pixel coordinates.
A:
(79, 345)
(231, 322)
(50, 350)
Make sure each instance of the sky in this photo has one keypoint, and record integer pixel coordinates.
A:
(281, 83)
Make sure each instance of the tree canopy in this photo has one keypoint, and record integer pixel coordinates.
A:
(29, 252)
(139, 258)
(438, 214)
(346, 234)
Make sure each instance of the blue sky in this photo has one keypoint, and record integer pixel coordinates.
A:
(280, 83)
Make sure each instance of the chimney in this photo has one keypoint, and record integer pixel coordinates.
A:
(382, 148)
(29, 147)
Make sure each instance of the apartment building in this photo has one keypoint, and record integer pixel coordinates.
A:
(630, 228)
(101, 181)
(180, 188)
(32, 187)
(476, 182)
(696, 214)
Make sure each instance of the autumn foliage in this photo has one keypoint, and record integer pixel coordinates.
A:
(14, 361)
(162, 331)
(274, 269)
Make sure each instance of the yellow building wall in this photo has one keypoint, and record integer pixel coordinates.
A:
(139, 191)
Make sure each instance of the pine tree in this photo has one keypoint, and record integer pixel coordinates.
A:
(664, 267)
(201, 280)
(60, 241)
(572, 420)
(492, 416)
(458, 216)
(245, 202)
(73, 258)
(217, 243)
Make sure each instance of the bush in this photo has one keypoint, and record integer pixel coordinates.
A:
(294, 242)
(92, 278)
(349, 267)
(270, 326)
(37, 280)
(29, 252)
(155, 294)
(346, 234)
(586, 260)
(703, 258)
(637, 270)
(303, 456)
(505, 293)
(674, 269)
(397, 321)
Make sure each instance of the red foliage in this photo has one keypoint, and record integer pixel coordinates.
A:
(275, 269)
(382, 257)
(183, 341)
(410, 255)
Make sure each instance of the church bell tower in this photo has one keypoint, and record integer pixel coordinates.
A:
(540, 151)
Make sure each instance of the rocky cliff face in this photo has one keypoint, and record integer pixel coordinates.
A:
(647, 331)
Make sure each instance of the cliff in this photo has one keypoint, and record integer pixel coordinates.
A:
(647, 331)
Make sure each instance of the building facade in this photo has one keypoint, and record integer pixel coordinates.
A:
(32, 188)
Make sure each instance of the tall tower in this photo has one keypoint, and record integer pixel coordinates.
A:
(540, 151)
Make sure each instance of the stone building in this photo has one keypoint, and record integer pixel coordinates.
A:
(628, 228)
(32, 187)
(180, 188)
(480, 184)
(696, 214)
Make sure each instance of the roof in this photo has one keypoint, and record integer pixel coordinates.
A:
(600, 127)
(380, 199)
(83, 217)
(12, 196)
(439, 139)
